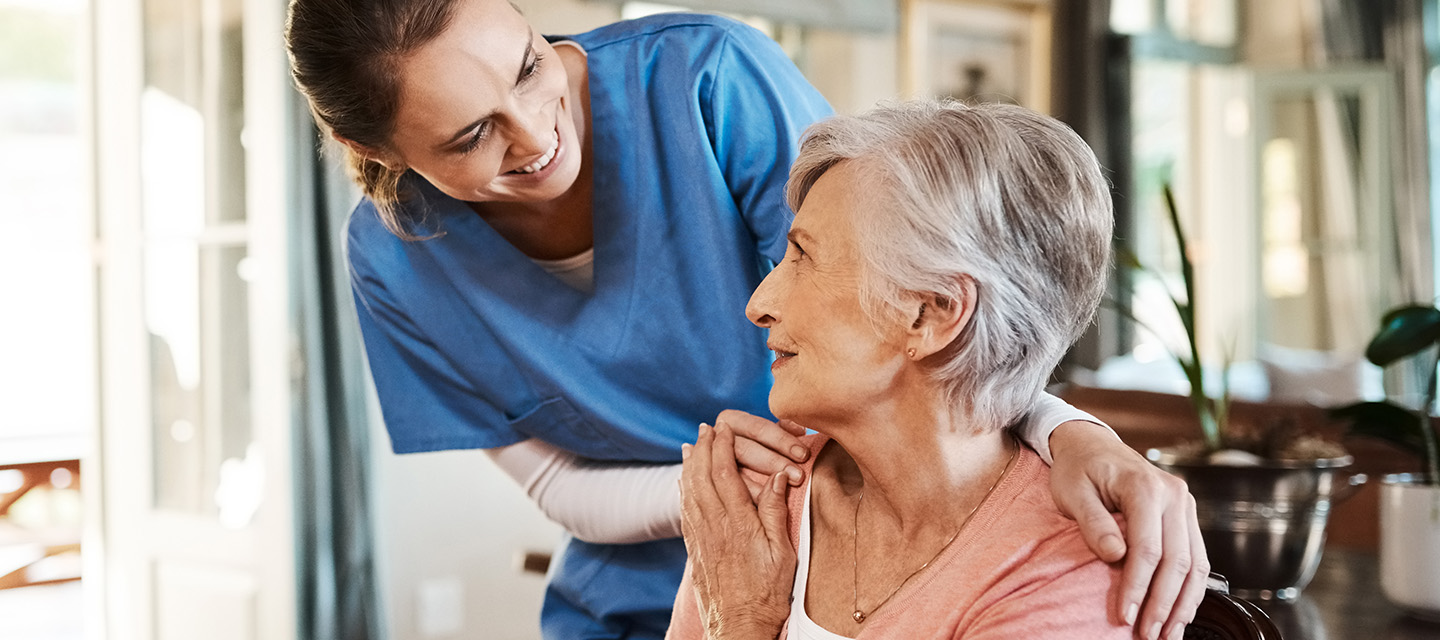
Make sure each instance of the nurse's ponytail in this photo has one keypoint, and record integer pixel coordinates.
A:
(345, 57)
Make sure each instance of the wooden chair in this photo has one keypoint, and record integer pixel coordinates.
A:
(1222, 616)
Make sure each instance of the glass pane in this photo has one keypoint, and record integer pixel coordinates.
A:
(1214, 22)
(1162, 150)
(195, 293)
(229, 115)
(1178, 18)
(196, 312)
(1314, 260)
(1132, 16)
(46, 332)
(193, 74)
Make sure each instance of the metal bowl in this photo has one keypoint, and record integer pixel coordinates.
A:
(1263, 526)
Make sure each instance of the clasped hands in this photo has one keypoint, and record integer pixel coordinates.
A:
(736, 480)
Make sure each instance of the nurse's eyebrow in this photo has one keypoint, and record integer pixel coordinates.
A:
(524, 62)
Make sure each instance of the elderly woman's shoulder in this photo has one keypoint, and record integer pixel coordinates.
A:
(1033, 511)
(1046, 583)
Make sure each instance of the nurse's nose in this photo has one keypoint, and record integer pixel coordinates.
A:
(532, 135)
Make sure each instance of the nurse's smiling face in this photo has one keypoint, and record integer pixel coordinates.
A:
(831, 359)
(487, 111)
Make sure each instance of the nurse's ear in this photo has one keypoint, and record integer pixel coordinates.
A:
(938, 320)
(383, 158)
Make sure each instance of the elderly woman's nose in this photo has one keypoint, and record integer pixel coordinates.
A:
(761, 308)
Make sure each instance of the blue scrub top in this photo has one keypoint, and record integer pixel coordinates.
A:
(695, 121)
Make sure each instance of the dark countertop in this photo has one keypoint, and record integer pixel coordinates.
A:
(1344, 602)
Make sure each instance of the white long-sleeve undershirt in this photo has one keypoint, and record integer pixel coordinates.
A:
(623, 503)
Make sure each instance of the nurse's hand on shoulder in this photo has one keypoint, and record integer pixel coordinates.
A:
(741, 561)
(764, 448)
(1165, 563)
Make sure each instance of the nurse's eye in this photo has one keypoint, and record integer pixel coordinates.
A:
(531, 69)
(473, 142)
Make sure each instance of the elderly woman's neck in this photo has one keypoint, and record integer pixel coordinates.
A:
(918, 458)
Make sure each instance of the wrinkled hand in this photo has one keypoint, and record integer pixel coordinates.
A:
(1165, 563)
(764, 448)
(741, 561)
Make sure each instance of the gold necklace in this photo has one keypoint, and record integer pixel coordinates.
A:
(860, 615)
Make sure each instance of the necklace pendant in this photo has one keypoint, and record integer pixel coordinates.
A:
(858, 616)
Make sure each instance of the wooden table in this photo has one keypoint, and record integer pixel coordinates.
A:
(1344, 602)
(29, 557)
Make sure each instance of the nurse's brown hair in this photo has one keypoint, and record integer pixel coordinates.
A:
(345, 57)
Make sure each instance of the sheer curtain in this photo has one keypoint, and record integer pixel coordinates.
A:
(1392, 32)
(334, 539)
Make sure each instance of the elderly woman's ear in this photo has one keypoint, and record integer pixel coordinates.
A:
(938, 320)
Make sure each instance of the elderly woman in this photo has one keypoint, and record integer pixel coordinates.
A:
(942, 259)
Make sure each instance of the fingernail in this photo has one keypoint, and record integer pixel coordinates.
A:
(1130, 613)
(685, 452)
(1153, 633)
(1177, 631)
(799, 453)
(795, 475)
(777, 485)
(1112, 544)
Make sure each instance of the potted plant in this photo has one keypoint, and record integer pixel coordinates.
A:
(1409, 503)
(1262, 497)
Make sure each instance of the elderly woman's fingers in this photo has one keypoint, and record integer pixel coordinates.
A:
(775, 514)
(766, 447)
(791, 427)
(725, 475)
(765, 461)
(700, 500)
(741, 563)
(782, 436)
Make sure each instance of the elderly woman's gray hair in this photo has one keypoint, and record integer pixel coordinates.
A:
(1008, 197)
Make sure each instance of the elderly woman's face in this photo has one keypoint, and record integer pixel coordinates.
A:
(830, 359)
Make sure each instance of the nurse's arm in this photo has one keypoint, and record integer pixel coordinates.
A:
(606, 503)
(624, 503)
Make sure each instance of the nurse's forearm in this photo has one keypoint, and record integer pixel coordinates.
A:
(1049, 413)
(596, 502)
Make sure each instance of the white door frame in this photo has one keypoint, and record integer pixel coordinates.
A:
(140, 549)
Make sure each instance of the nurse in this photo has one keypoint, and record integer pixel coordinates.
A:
(551, 263)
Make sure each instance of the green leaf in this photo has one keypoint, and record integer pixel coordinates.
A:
(1385, 421)
(1127, 258)
(1404, 331)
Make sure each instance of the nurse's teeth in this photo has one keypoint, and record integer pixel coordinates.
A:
(544, 160)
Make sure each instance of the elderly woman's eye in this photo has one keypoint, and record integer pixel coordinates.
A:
(798, 253)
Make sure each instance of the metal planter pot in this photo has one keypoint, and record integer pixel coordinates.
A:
(1264, 526)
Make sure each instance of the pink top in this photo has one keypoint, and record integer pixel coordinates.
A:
(1019, 569)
